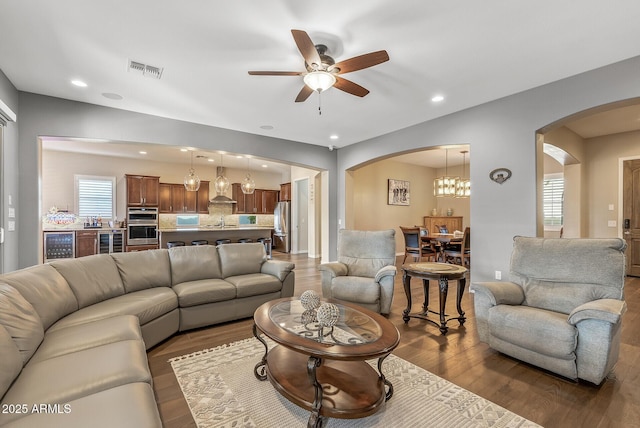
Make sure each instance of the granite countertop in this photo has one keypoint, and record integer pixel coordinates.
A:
(213, 228)
(78, 229)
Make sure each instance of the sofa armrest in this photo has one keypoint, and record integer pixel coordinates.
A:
(500, 293)
(386, 271)
(278, 268)
(610, 310)
(334, 269)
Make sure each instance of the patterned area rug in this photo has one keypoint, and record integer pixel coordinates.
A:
(222, 391)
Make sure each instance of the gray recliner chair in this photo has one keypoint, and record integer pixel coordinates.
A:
(563, 308)
(365, 269)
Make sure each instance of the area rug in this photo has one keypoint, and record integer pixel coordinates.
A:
(222, 391)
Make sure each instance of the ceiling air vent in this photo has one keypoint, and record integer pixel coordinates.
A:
(145, 69)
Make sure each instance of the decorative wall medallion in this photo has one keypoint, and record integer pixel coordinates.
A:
(500, 175)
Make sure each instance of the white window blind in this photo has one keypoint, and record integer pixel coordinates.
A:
(95, 196)
(553, 201)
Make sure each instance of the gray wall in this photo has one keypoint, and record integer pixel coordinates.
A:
(501, 134)
(47, 116)
(10, 248)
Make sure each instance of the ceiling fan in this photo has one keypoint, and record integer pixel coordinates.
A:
(322, 72)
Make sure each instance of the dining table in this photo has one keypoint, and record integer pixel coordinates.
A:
(441, 240)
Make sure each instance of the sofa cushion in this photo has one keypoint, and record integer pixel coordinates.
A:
(537, 330)
(194, 262)
(20, 320)
(366, 252)
(204, 291)
(92, 278)
(563, 283)
(128, 406)
(355, 289)
(88, 335)
(255, 284)
(144, 269)
(11, 360)
(46, 290)
(147, 305)
(75, 375)
(241, 259)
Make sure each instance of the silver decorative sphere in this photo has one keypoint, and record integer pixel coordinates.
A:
(310, 299)
(309, 316)
(328, 314)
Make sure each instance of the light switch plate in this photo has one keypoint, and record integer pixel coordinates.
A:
(11, 226)
(611, 223)
(12, 212)
(610, 207)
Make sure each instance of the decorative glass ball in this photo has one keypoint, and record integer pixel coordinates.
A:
(328, 314)
(310, 299)
(309, 316)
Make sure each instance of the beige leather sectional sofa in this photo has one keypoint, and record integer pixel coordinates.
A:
(74, 333)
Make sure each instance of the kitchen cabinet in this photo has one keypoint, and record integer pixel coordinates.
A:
(285, 192)
(142, 190)
(86, 243)
(261, 201)
(174, 198)
(451, 222)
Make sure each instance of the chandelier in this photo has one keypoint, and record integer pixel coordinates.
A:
(248, 186)
(445, 186)
(463, 186)
(191, 180)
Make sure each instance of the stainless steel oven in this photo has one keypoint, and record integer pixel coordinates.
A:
(142, 226)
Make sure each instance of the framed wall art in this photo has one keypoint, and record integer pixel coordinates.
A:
(399, 192)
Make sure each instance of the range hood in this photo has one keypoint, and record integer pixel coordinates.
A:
(220, 198)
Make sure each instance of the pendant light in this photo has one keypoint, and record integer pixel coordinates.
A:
(248, 186)
(191, 180)
(221, 183)
(463, 186)
(445, 186)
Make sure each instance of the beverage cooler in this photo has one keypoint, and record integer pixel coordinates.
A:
(110, 241)
(59, 245)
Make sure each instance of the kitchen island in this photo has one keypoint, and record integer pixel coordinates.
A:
(212, 233)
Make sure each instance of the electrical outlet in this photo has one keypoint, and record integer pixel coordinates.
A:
(498, 275)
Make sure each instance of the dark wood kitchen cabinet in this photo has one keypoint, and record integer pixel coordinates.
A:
(142, 190)
(174, 198)
(86, 243)
(261, 201)
(285, 192)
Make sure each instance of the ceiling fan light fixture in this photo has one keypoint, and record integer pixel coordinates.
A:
(319, 80)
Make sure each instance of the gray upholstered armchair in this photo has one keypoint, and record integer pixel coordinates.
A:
(365, 269)
(563, 309)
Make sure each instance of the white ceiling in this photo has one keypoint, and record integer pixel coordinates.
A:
(469, 51)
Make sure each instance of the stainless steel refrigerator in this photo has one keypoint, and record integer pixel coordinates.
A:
(282, 226)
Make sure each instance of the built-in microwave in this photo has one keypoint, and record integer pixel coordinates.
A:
(142, 234)
(137, 215)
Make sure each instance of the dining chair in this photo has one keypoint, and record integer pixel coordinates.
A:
(460, 255)
(415, 246)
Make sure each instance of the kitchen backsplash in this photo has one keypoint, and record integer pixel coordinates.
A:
(168, 221)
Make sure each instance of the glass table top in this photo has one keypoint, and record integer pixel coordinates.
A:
(352, 328)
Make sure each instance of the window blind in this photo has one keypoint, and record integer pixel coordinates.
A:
(95, 196)
(553, 201)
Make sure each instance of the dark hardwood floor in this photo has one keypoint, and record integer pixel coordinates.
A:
(458, 357)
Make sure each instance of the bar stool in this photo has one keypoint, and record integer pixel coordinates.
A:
(172, 244)
(223, 241)
(267, 245)
(245, 240)
(200, 242)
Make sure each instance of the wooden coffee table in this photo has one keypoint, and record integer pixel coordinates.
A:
(324, 370)
(441, 272)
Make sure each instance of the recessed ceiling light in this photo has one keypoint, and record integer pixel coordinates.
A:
(184, 150)
(267, 127)
(142, 152)
(79, 83)
(210, 160)
(437, 98)
(334, 137)
(264, 166)
(112, 96)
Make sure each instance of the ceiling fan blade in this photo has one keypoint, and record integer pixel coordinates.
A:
(275, 73)
(306, 47)
(350, 87)
(363, 61)
(304, 93)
